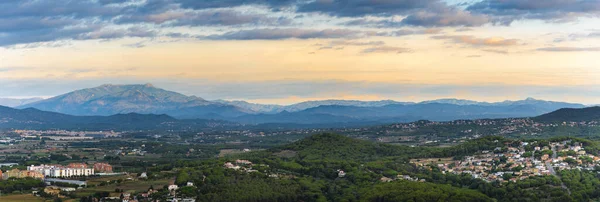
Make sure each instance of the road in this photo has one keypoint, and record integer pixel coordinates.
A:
(553, 172)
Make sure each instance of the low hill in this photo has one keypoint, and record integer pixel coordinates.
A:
(31, 118)
(337, 147)
(571, 115)
(328, 146)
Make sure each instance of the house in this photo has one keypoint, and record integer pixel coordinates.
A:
(385, 179)
(341, 173)
(52, 190)
(243, 162)
(230, 165)
(173, 187)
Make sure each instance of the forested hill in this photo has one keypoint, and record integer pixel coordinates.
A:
(571, 115)
(329, 146)
(309, 170)
(334, 147)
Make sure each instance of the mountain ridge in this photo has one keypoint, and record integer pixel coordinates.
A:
(112, 99)
(571, 115)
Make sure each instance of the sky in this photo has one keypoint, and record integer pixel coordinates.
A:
(288, 51)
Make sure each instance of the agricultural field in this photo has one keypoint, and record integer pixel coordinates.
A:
(127, 186)
(21, 198)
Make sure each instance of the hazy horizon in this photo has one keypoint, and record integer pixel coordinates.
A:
(300, 100)
(290, 51)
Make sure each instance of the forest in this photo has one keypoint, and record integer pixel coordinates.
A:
(308, 170)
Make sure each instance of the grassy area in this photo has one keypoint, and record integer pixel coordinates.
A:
(225, 152)
(98, 180)
(128, 186)
(432, 160)
(21, 198)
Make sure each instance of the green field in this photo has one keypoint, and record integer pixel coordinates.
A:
(20, 198)
(128, 186)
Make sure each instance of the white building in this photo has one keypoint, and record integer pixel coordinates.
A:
(61, 171)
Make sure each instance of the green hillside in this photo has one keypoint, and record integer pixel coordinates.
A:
(569, 115)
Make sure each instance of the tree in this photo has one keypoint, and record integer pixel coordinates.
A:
(188, 191)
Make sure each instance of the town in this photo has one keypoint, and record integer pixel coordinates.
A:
(520, 160)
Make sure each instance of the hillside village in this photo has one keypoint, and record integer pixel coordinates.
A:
(520, 161)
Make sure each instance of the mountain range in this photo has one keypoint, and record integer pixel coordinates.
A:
(109, 99)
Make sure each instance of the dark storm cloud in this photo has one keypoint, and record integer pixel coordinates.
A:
(506, 11)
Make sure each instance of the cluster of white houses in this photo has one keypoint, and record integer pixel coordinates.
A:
(62, 171)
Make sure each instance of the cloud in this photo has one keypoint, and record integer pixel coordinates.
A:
(569, 49)
(104, 2)
(203, 4)
(474, 41)
(507, 11)
(204, 18)
(18, 24)
(140, 44)
(496, 51)
(34, 21)
(286, 33)
(47, 35)
(387, 49)
(444, 16)
(108, 33)
(40, 21)
(340, 44)
(356, 43)
(405, 32)
(578, 36)
(463, 29)
(354, 8)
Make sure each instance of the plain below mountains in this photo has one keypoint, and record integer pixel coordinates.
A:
(108, 100)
